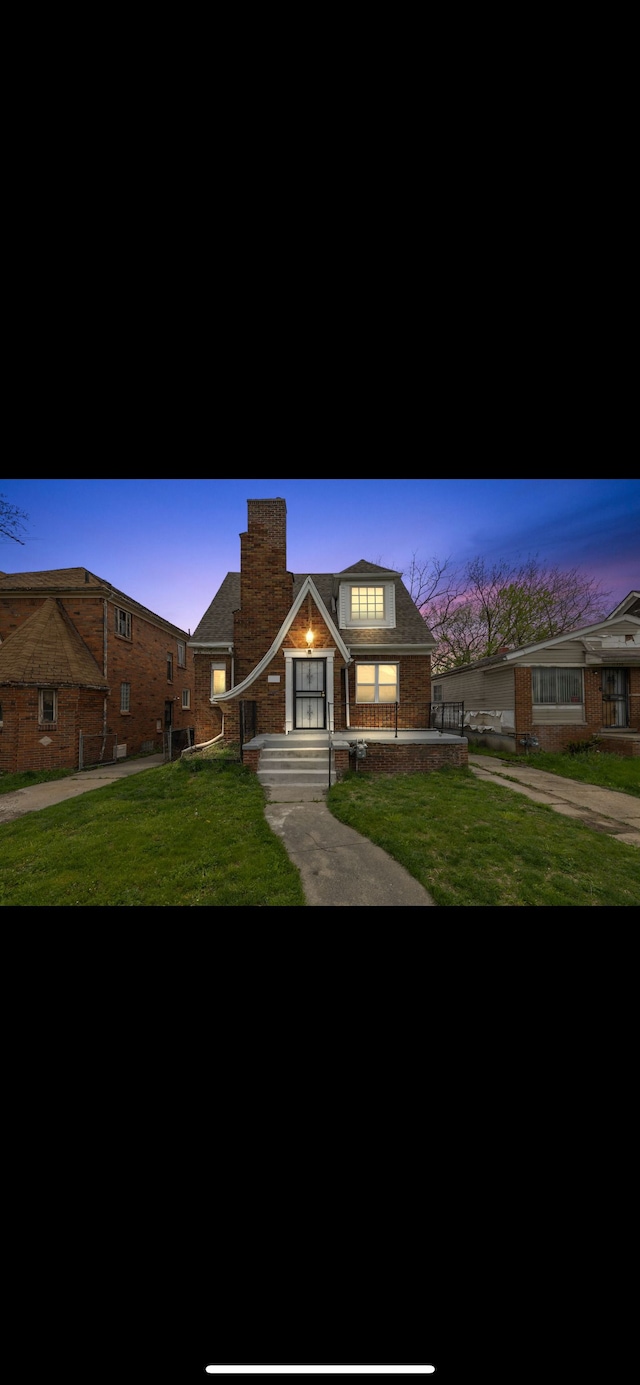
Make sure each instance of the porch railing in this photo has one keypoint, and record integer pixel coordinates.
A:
(400, 716)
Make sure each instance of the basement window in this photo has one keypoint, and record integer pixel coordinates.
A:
(47, 706)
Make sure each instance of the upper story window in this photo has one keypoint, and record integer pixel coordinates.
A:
(364, 606)
(169, 668)
(123, 623)
(218, 679)
(557, 686)
(47, 706)
(182, 654)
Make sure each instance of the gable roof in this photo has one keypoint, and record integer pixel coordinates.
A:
(216, 626)
(80, 581)
(308, 588)
(511, 655)
(47, 650)
(630, 606)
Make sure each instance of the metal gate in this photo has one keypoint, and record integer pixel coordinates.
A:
(615, 699)
(98, 749)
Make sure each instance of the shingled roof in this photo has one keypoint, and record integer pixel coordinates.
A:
(81, 581)
(216, 626)
(47, 650)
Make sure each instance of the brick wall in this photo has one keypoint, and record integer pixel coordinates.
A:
(140, 661)
(386, 757)
(414, 683)
(266, 587)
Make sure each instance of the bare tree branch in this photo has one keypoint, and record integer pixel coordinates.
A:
(11, 520)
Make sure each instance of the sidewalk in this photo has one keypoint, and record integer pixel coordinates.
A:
(605, 810)
(15, 805)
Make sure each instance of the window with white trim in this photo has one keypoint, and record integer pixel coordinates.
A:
(125, 697)
(218, 679)
(364, 605)
(123, 623)
(186, 697)
(47, 706)
(557, 687)
(377, 683)
(182, 654)
(437, 692)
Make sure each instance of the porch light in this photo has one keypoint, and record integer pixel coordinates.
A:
(309, 639)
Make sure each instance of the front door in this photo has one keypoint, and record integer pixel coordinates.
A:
(615, 703)
(309, 699)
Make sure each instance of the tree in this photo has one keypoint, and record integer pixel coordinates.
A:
(11, 520)
(476, 610)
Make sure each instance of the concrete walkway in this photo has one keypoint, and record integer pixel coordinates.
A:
(15, 805)
(337, 866)
(605, 810)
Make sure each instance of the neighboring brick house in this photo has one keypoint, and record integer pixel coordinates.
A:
(78, 655)
(568, 688)
(333, 654)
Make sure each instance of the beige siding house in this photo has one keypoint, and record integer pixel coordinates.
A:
(568, 688)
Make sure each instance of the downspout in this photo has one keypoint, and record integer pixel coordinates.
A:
(104, 673)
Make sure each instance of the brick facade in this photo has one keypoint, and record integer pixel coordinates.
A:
(556, 738)
(141, 662)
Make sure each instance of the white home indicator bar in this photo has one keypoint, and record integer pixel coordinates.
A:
(320, 1370)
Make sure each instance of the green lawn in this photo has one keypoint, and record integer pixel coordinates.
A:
(473, 842)
(10, 782)
(592, 767)
(173, 834)
(194, 832)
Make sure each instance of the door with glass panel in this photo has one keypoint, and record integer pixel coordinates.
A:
(309, 700)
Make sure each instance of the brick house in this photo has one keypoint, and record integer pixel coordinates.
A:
(78, 655)
(568, 688)
(325, 658)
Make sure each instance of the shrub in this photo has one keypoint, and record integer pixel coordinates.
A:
(583, 747)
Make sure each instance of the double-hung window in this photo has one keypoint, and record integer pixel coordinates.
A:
(123, 623)
(186, 697)
(376, 682)
(47, 706)
(182, 654)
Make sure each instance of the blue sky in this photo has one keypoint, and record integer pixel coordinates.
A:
(169, 544)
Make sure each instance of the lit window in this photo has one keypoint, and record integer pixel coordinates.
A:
(218, 679)
(169, 668)
(125, 697)
(376, 682)
(557, 686)
(123, 623)
(366, 607)
(182, 654)
(47, 705)
(186, 697)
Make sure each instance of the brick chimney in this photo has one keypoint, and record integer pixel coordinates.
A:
(266, 588)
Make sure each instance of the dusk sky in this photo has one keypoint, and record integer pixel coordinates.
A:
(169, 544)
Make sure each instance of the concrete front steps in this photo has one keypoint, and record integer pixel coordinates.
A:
(296, 762)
